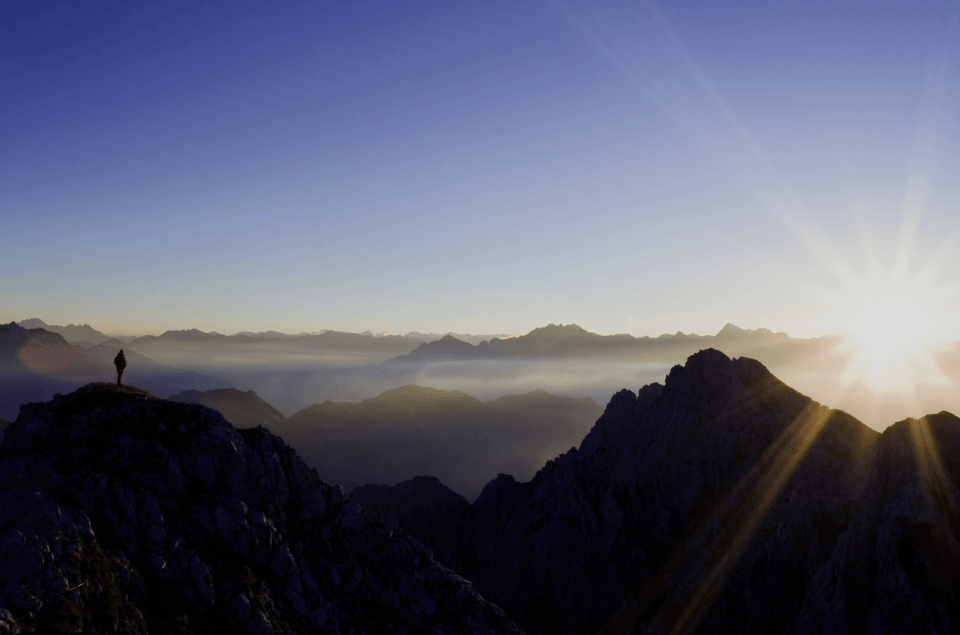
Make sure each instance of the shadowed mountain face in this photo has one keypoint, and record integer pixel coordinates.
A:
(122, 513)
(448, 434)
(423, 506)
(35, 349)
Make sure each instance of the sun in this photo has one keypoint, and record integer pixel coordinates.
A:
(893, 329)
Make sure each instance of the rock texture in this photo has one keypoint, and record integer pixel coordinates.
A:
(122, 513)
(423, 506)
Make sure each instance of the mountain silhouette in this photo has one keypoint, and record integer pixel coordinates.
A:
(27, 359)
(241, 409)
(75, 334)
(573, 342)
(35, 349)
(123, 513)
(413, 430)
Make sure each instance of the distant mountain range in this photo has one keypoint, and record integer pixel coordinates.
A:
(36, 363)
(548, 342)
(83, 334)
(571, 341)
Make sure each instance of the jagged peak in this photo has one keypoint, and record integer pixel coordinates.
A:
(558, 330)
(712, 368)
(732, 329)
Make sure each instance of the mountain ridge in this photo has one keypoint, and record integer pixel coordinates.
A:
(572, 341)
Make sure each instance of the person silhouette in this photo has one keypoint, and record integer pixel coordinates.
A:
(120, 361)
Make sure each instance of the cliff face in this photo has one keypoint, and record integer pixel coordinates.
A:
(122, 513)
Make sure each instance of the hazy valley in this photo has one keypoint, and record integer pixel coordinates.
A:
(292, 372)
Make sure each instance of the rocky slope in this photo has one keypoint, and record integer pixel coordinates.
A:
(122, 513)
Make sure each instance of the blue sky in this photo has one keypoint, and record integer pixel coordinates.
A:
(479, 167)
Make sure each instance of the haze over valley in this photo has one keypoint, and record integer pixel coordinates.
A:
(292, 372)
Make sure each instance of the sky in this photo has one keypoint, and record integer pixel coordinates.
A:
(479, 167)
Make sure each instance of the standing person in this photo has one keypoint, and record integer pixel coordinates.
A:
(120, 361)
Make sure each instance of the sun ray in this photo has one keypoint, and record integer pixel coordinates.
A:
(643, 46)
(750, 500)
(933, 475)
(800, 436)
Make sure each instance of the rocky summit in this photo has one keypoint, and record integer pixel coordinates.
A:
(123, 513)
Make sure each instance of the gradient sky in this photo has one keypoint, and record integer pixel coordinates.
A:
(479, 167)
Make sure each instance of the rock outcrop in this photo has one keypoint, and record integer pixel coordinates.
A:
(122, 513)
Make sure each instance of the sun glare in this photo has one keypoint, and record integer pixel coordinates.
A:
(892, 336)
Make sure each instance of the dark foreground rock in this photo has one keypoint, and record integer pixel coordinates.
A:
(423, 506)
(122, 513)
